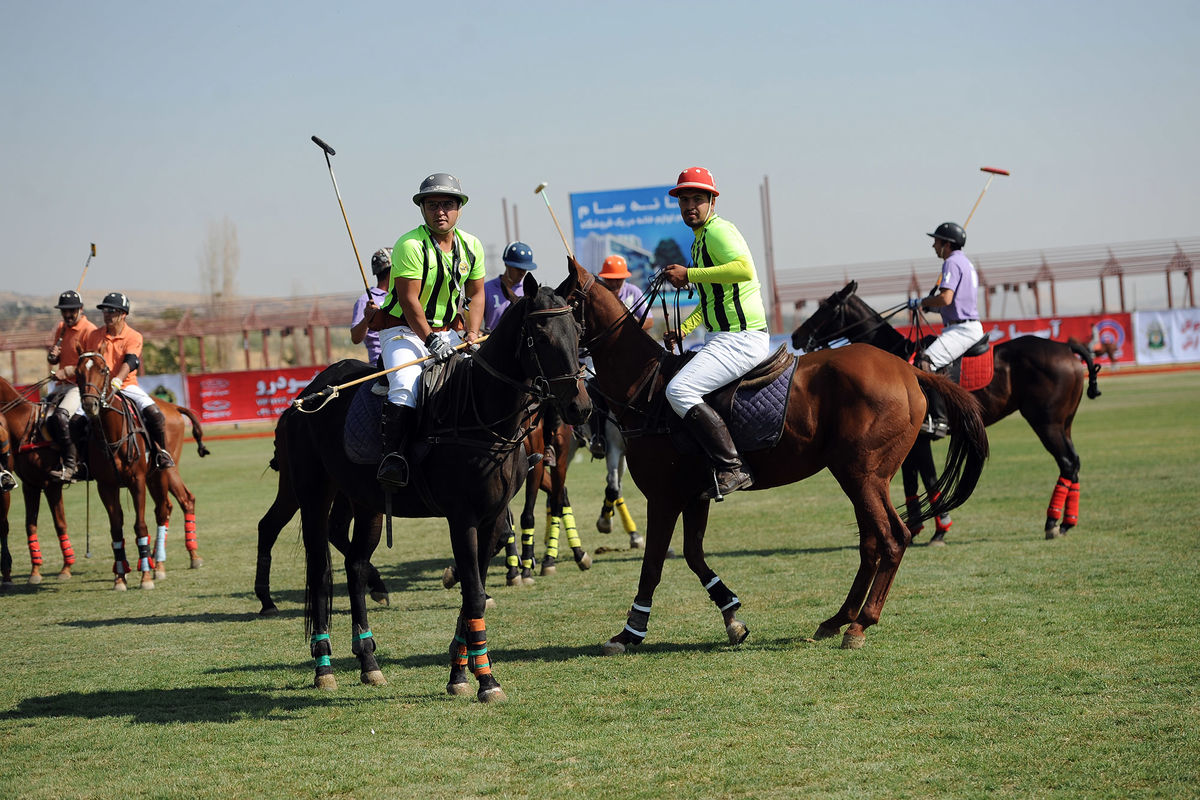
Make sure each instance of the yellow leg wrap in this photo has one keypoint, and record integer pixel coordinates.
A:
(527, 538)
(626, 517)
(553, 526)
(568, 521)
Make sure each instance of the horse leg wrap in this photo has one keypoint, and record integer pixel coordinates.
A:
(160, 545)
(1058, 499)
(143, 546)
(477, 651)
(363, 641)
(1072, 513)
(189, 532)
(35, 550)
(626, 517)
(943, 523)
(606, 510)
(68, 552)
(527, 539)
(722, 597)
(459, 658)
(321, 650)
(553, 526)
(120, 564)
(511, 558)
(568, 521)
(638, 621)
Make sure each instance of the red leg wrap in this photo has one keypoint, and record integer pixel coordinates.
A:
(1058, 499)
(68, 552)
(1072, 515)
(189, 532)
(35, 550)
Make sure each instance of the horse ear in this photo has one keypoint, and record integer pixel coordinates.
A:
(530, 284)
(849, 289)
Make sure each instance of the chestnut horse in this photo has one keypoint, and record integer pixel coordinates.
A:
(854, 411)
(1042, 379)
(472, 467)
(118, 456)
(33, 457)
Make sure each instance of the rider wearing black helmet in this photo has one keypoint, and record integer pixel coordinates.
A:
(435, 267)
(62, 356)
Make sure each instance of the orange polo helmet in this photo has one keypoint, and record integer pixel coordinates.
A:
(615, 267)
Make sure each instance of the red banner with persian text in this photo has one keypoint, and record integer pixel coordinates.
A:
(1096, 331)
(258, 395)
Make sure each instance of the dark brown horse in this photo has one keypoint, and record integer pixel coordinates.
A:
(472, 467)
(855, 412)
(1042, 379)
(119, 456)
(34, 456)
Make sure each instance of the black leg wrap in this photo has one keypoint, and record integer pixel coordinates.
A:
(638, 621)
(719, 593)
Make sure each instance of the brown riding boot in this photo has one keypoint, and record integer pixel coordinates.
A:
(709, 429)
(156, 426)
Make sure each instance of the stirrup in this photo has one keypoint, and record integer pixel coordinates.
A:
(7, 481)
(727, 483)
(61, 475)
(163, 460)
(393, 470)
(935, 428)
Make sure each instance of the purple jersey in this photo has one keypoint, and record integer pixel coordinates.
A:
(958, 274)
(495, 301)
(371, 339)
(631, 296)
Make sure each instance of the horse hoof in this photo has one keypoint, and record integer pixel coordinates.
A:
(853, 641)
(147, 582)
(737, 631)
(160, 574)
(325, 682)
(938, 540)
(636, 541)
(493, 695)
(584, 563)
(197, 563)
(548, 569)
(35, 579)
(462, 689)
(449, 577)
(269, 610)
(373, 678)
(120, 585)
(528, 580)
(381, 598)
(824, 632)
(604, 525)
(490, 602)
(65, 574)
(1054, 533)
(612, 648)
(512, 580)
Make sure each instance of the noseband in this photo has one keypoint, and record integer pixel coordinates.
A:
(103, 392)
(542, 384)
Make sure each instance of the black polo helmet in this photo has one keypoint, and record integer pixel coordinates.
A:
(69, 299)
(117, 301)
(440, 183)
(951, 232)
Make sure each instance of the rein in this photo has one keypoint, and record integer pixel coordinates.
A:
(21, 398)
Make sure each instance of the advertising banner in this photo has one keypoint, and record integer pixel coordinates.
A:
(1167, 337)
(643, 225)
(1094, 331)
(251, 396)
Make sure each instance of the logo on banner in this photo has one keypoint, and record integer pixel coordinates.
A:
(1155, 339)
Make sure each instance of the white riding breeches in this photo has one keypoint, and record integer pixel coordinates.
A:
(724, 357)
(953, 341)
(401, 345)
(135, 393)
(70, 400)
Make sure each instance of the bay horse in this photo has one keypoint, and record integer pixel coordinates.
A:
(1042, 379)
(467, 465)
(118, 455)
(33, 457)
(854, 411)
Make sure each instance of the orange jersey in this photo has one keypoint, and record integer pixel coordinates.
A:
(127, 342)
(78, 332)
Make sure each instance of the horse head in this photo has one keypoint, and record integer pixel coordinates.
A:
(94, 380)
(827, 323)
(548, 350)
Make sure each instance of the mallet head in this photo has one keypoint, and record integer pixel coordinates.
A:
(994, 170)
(540, 187)
(323, 146)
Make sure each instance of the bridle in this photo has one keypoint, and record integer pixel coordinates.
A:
(843, 329)
(104, 391)
(541, 385)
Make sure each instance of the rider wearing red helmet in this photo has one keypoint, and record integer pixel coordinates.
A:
(731, 308)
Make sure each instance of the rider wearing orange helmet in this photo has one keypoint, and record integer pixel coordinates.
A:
(614, 273)
(731, 308)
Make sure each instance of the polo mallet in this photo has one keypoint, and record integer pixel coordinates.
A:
(329, 151)
(992, 173)
(541, 187)
(91, 255)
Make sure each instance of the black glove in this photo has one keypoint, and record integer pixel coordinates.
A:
(439, 348)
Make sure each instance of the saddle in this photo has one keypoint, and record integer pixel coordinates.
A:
(973, 369)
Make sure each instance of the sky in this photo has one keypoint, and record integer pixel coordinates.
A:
(141, 125)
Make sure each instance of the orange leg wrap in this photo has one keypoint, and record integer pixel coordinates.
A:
(1058, 499)
(1072, 515)
(189, 532)
(64, 542)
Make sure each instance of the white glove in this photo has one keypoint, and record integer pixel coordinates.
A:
(116, 384)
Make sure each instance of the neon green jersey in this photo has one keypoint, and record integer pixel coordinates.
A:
(730, 298)
(442, 275)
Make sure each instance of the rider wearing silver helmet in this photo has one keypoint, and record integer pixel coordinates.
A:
(437, 271)
(121, 346)
(62, 356)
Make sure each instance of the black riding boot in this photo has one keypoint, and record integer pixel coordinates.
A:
(156, 426)
(58, 425)
(937, 422)
(395, 425)
(79, 437)
(709, 429)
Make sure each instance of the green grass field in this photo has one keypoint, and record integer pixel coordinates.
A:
(1005, 665)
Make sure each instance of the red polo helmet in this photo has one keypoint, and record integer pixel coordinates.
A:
(695, 178)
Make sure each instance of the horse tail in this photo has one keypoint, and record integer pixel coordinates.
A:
(966, 454)
(197, 429)
(1093, 390)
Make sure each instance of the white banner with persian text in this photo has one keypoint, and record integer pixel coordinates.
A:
(1167, 337)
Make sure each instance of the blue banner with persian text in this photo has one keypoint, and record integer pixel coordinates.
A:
(643, 225)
